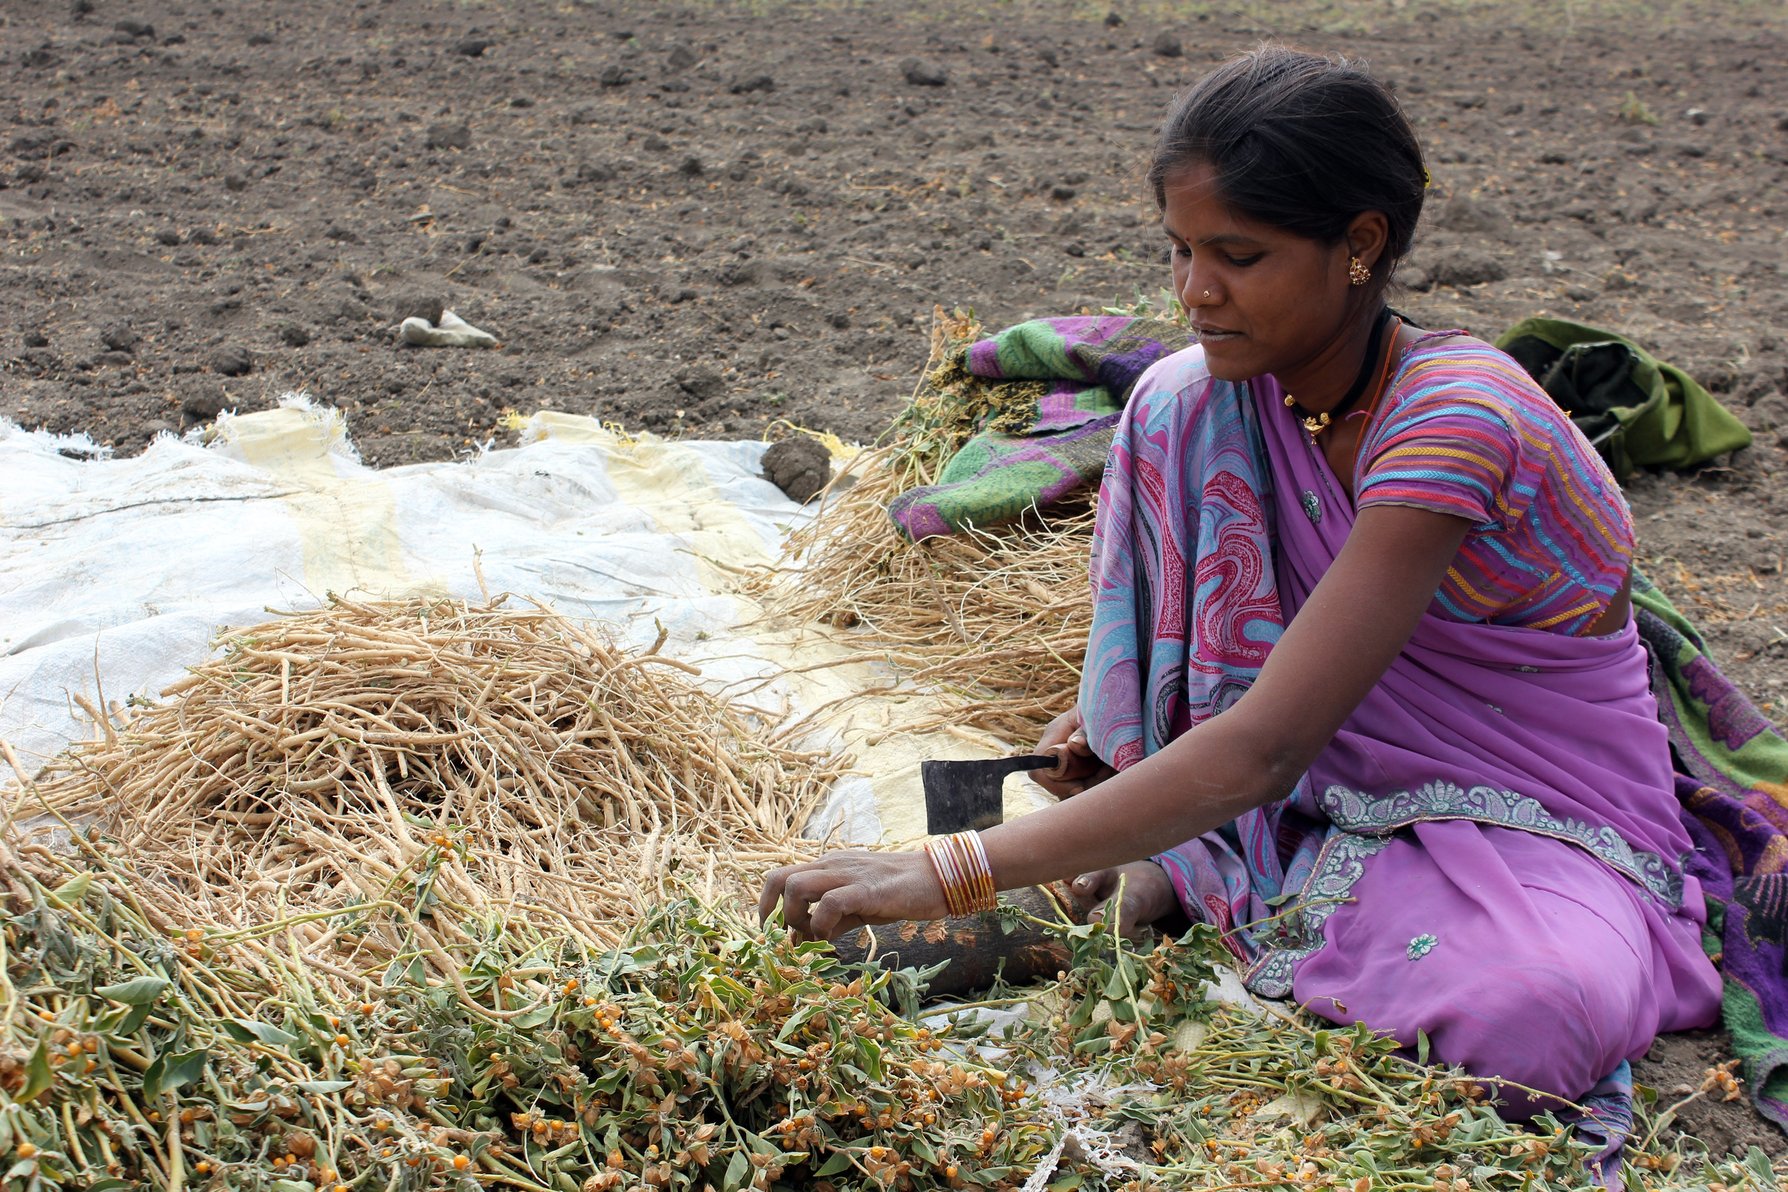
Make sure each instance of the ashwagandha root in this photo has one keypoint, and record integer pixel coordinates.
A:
(496, 758)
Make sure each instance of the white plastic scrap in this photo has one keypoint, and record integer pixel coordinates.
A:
(451, 332)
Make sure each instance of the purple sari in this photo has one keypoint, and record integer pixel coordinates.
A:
(1489, 851)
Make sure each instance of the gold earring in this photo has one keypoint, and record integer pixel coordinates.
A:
(1358, 272)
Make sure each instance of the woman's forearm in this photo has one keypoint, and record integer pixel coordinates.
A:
(1201, 781)
(1339, 644)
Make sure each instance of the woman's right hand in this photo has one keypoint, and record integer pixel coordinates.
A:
(845, 890)
(1075, 768)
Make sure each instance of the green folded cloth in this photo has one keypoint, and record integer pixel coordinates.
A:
(1638, 411)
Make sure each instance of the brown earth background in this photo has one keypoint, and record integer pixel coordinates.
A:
(714, 219)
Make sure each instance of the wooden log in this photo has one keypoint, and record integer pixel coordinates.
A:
(977, 950)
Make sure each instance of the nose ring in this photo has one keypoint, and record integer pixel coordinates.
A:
(1207, 293)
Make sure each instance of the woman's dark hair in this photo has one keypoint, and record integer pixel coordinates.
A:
(1301, 142)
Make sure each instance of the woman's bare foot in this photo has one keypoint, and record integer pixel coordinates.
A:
(1147, 894)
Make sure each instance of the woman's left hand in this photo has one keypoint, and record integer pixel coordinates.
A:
(843, 891)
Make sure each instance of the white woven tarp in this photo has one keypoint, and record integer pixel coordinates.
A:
(117, 574)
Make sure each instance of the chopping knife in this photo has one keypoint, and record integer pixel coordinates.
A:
(964, 795)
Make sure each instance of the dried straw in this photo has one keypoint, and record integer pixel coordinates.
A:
(505, 762)
(996, 620)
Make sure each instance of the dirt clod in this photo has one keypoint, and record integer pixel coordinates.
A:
(202, 405)
(800, 467)
(118, 337)
(418, 305)
(449, 135)
(1464, 267)
(231, 361)
(924, 74)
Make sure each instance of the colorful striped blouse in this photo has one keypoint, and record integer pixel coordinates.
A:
(1463, 430)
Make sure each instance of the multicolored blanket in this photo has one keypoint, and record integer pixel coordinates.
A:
(1733, 782)
(1053, 433)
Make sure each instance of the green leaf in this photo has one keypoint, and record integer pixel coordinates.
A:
(140, 991)
(401, 972)
(38, 1075)
(322, 1086)
(110, 1185)
(244, 1030)
(539, 1016)
(735, 1173)
(177, 1069)
(1758, 1164)
(799, 1019)
(172, 1070)
(72, 891)
(870, 1054)
(133, 1020)
(839, 1161)
(1421, 1046)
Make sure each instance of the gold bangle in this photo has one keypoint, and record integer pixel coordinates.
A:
(960, 862)
(948, 868)
(989, 892)
(944, 866)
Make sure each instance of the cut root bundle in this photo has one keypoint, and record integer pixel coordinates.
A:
(491, 758)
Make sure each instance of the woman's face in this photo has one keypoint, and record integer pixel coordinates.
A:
(1262, 300)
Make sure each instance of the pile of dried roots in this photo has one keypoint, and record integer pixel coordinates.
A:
(490, 757)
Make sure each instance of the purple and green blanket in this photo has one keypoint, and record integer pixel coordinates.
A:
(1732, 778)
(1068, 379)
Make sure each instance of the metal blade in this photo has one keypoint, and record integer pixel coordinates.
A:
(964, 795)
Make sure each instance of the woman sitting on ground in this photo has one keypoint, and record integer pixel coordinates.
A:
(1363, 685)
